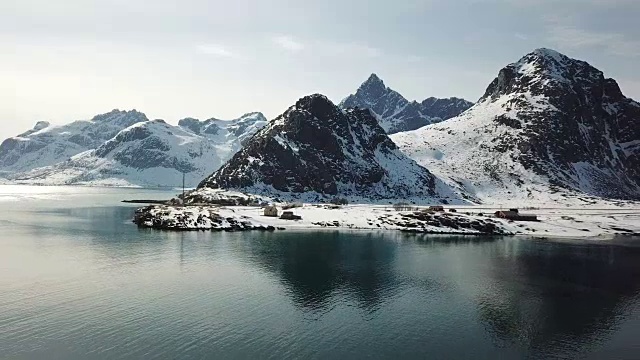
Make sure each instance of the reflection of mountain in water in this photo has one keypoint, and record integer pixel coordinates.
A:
(358, 266)
(557, 299)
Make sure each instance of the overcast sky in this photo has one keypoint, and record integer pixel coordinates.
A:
(71, 59)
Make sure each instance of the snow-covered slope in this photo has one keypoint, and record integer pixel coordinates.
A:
(46, 145)
(395, 113)
(548, 128)
(317, 150)
(151, 153)
(220, 131)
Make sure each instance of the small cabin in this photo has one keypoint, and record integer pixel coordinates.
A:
(436, 208)
(270, 211)
(515, 215)
(288, 215)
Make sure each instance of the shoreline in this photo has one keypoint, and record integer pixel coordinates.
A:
(560, 223)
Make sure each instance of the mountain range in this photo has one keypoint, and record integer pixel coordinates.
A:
(124, 148)
(397, 114)
(319, 150)
(548, 128)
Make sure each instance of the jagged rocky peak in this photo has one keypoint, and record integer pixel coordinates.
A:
(445, 108)
(41, 125)
(190, 123)
(121, 118)
(546, 121)
(542, 70)
(242, 127)
(374, 87)
(316, 149)
(395, 113)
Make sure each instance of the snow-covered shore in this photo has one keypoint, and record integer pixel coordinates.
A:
(470, 220)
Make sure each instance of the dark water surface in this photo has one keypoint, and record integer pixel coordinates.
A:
(78, 281)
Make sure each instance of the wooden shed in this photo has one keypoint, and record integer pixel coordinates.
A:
(515, 215)
(288, 215)
(436, 208)
(270, 211)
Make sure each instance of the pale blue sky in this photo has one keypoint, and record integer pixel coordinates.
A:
(70, 59)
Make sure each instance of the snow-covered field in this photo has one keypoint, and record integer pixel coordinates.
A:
(592, 221)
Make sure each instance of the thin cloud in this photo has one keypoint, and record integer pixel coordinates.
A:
(350, 49)
(216, 50)
(288, 43)
(521, 36)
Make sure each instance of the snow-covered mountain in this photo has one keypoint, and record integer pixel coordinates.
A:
(548, 127)
(46, 144)
(397, 114)
(241, 128)
(151, 153)
(315, 150)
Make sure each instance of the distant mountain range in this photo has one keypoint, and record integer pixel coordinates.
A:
(397, 114)
(124, 148)
(548, 128)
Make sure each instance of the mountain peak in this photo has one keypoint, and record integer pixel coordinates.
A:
(41, 125)
(374, 78)
(397, 114)
(541, 70)
(124, 117)
(315, 149)
(316, 104)
(373, 87)
(547, 124)
(549, 53)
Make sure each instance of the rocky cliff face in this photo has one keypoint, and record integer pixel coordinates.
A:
(397, 114)
(546, 124)
(317, 148)
(445, 108)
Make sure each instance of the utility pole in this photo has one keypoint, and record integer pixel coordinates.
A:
(183, 189)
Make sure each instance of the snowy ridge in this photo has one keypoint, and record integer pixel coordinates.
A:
(240, 129)
(397, 114)
(147, 153)
(549, 128)
(46, 145)
(315, 150)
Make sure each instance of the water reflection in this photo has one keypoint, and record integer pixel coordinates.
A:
(556, 299)
(316, 266)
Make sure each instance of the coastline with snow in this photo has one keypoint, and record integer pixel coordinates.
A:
(586, 222)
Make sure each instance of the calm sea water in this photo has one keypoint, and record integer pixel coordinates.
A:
(79, 281)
